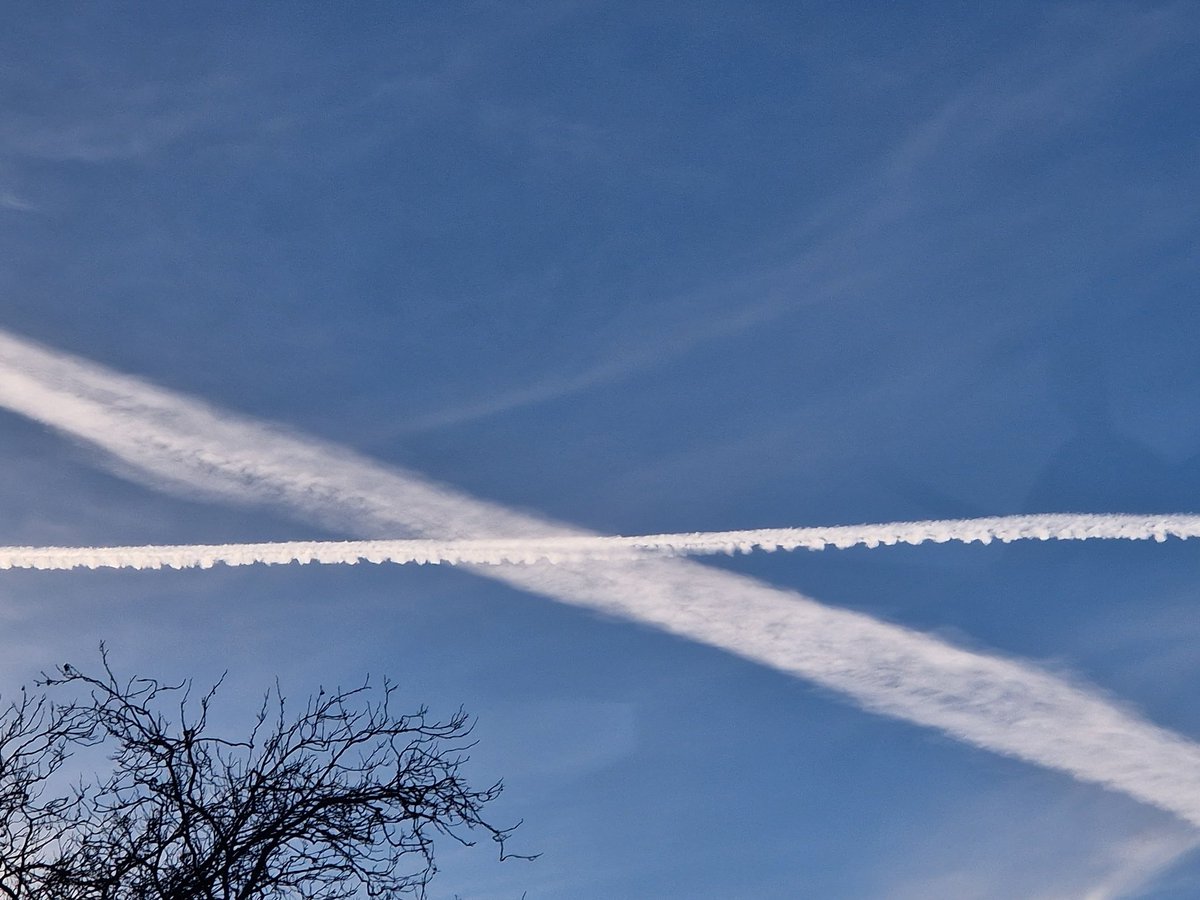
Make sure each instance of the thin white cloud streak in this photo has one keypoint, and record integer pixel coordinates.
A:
(1001, 705)
(15, 203)
(1028, 858)
(1136, 862)
(595, 548)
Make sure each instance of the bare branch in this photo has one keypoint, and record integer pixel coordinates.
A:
(343, 798)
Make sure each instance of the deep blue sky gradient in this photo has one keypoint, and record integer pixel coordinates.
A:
(642, 267)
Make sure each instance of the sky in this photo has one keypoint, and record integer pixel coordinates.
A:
(472, 269)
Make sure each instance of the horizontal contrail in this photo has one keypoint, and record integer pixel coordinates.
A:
(1002, 705)
(583, 548)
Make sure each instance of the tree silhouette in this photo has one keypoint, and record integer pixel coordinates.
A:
(342, 798)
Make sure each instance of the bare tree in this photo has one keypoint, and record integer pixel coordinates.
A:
(342, 798)
(35, 740)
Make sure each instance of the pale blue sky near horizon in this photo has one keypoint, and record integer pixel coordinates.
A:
(643, 267)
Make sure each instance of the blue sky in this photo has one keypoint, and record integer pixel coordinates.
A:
(642, 267)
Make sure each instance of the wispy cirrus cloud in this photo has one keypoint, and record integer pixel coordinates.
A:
(11, 201)
(856, 240)
(1002, 705)
(1070, 850)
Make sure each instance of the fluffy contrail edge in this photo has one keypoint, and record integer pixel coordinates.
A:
(1002, 705)
(594, 548)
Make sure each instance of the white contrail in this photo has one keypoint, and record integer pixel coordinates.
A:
(1002, 705)
(595, 548)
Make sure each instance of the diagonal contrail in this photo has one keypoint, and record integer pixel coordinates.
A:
(998, 704)
(559, 551)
